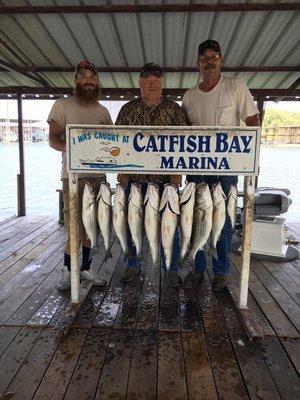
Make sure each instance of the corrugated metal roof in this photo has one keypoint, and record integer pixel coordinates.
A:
(252, 38)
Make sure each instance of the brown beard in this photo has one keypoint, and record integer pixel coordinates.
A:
(87, 96)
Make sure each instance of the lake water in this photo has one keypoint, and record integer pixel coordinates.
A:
(280, 167)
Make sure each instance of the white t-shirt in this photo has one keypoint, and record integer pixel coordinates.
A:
(70, 111)
(228, 103)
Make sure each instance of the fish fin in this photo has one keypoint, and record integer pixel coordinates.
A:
(187, 192)
(173, 200)
(213, 252)
(163, 201)
(108, 255)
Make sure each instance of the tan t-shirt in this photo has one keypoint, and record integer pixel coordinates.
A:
(70, 111)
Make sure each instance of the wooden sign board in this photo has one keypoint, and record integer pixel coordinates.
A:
(163, 150)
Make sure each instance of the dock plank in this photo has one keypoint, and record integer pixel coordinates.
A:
(257, 314)
(228, 379)
(109, 308)
(287, 304)
(92, 304)
(211, 314)
(199, 377)
(113, 380)
(292, 349)
(171, 382)
(143, 368)
(272, 310)
(14, 263)
(287, 382)
(14, 356)
(129, 306)
(84, 381)
(189, 312)
(59, 372)
(14, 243)
(27, 379)
(289, 285)
(21, 293)
(256, 375)
(149, 299)
(7, 334)
(169, 312)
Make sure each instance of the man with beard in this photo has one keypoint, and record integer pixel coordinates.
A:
(80, 108)
(151, 109)
(217, 101)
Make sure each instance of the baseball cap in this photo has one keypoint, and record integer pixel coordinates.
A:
(209, 44)
(85, 64)
(150, 69)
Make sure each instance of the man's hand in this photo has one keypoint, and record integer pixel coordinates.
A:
(123, 179)
(176, 180)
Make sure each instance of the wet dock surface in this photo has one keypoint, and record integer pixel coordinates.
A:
(142, 340)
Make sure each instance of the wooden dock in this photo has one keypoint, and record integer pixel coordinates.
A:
(143, 340)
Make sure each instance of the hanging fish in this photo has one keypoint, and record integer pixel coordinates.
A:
(202, 226)
(152, 222)
(104, 217)
(135, 217)
(169, 205)
(89, 213)
(232, 204)
(219, 216)
(187, 202)
(120, 217)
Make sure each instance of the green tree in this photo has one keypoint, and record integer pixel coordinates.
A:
(275, 117)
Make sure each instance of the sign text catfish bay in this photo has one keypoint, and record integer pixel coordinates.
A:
(157, 149)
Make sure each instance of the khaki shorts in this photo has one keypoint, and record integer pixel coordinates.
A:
(65, 190)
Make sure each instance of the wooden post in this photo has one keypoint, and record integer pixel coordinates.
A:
(21, 176)
(246, 246)
(74, 237)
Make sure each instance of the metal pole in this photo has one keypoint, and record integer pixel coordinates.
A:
(246, 246)
(74, 237)
(21, 178)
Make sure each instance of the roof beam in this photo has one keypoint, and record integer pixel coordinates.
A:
(131, 92)
(15, 68)
(270, 68)
(16, 55)
(149, 8)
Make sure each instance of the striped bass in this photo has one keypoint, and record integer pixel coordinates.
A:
(135, 217)
(187, 202)
(219, 215)
(202, 225)
(120, 217)
(89, 213)
(104, 217)
(232, 204)
(169, 205)
(152, 222)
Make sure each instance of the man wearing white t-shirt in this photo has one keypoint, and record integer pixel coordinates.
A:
(217, 101)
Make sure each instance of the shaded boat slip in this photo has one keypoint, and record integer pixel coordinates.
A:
(143, 340)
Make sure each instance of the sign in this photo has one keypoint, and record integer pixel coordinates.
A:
(163, 150)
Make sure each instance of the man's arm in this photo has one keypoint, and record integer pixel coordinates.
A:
(253, 120)
(56, 135)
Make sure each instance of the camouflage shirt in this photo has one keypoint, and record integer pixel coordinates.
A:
(166, 113)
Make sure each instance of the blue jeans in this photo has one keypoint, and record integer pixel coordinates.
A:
(222, 264)
(132, 262)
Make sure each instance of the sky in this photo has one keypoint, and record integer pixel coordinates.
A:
(39, 109)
